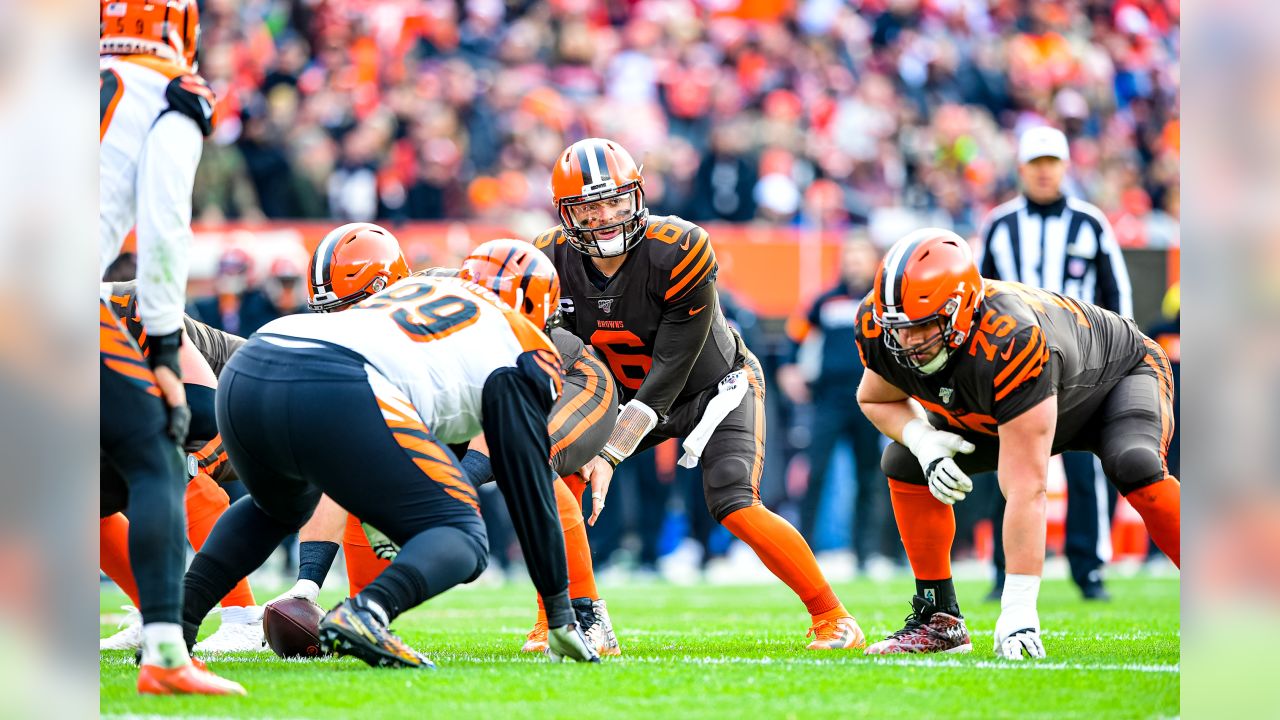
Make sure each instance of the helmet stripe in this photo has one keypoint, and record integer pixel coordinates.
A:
(498, 275)
(602, 163)
(582, 165)
(324, 253)
(895, 269)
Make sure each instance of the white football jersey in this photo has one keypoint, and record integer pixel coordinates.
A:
(154, 115)
(436, 340)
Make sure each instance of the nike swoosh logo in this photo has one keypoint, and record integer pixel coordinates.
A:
(695, 311)
(685, 245)
(1007, 352)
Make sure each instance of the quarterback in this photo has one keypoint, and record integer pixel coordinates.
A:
(641, 290)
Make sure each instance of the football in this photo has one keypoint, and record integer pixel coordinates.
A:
(292, 627)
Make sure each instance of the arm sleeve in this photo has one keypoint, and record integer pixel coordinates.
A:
(1112, 291)
(682, 332)
(514, 410)
(166, 173)
(215, 345)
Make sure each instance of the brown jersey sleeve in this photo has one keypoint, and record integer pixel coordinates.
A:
(1024, 374)
(215, 345)
(682, 334)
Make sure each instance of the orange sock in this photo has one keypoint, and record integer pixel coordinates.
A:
(576, 486)
(206, 501)
(1160, 507)
(582, 576)
(113, 554)
(783, 550)
(927, 527)
(362, 565)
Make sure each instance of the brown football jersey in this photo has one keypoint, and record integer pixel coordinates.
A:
(657, 321)
(215, 345)
(1026, 344)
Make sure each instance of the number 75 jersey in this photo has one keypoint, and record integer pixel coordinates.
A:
(436, 340)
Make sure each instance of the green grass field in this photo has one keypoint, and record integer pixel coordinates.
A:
(713, 651)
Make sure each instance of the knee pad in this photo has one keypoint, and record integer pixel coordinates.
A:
(726, 485)
(1133, 467)
(898, 463)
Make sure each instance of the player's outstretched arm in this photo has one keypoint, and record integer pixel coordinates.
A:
(1025, 444)
(318, 543)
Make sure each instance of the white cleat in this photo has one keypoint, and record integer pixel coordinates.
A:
(593, 618)
(241, 631)
(130, 635)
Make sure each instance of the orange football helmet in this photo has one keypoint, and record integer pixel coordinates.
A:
(519, 274)
(927, 277)
(588, 175)
(166, 28)
(351, 263)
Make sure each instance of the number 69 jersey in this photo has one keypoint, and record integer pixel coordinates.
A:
(436, 340)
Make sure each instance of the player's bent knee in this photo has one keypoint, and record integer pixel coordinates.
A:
(727, 487)
(898, 463)
(1134, 467)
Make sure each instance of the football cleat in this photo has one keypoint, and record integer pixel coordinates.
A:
(236, 636)
(593, 618)
(186, 679)
(927, 630)
(353, 629)
(839, 634)
(130, 635)
(568, 643)
(536, 640)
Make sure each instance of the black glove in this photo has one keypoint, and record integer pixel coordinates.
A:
(162, 351)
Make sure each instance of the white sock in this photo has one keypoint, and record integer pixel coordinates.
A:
(238, 616)
(163, 645)
(1020, 591)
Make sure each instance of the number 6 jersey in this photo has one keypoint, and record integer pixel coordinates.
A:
(436, 340)
(657, 321)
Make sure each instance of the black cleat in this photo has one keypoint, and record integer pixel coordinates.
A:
(353, 629)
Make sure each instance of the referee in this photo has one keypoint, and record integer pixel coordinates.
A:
(1046, 239)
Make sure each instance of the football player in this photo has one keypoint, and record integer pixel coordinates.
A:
(641, 290)
(154, 115)
(361, 406)
(349, 263)
(970, 375)
(204, 350)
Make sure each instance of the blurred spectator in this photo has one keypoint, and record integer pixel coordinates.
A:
(825, 370)
(388, 109)
(240, 306)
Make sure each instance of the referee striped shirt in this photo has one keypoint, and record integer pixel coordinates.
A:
(1066, 247)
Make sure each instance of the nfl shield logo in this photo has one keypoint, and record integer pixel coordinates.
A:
(945, 395)
(605, 305)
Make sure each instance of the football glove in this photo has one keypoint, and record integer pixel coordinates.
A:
(381, 545)
(1018, 632)
(934, 450)
(302, 589)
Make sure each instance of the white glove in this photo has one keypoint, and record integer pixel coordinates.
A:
(1018, 631)
(302, 589)
(934, 450)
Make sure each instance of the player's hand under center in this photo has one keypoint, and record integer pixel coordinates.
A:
(598, 473)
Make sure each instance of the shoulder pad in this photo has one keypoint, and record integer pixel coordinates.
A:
(189, 95)
(1023, 357)
(549, 238)
(681, 253)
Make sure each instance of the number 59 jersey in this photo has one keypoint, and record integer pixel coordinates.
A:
(436, 340)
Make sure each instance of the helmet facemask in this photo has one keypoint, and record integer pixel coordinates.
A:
(328, 301)
(597, 227)
(909, 356)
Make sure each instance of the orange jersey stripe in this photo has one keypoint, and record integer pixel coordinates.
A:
(698, 271)
(591, 418)
(1017, 361)
(694, 253)
(1032, 370)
